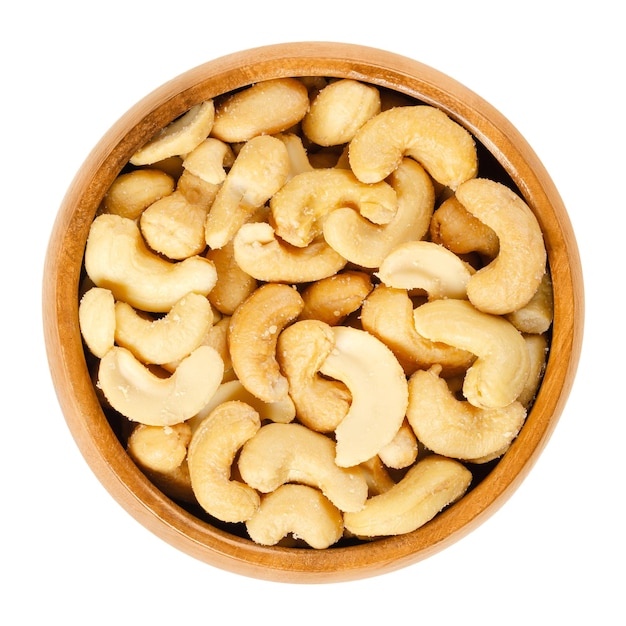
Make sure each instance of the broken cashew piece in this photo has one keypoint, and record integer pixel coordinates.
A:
(298, 157)
(96, 318)
(536, 316)
(208, 160)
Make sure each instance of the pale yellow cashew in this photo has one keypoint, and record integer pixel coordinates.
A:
(536, 316)
(300, 206)
(209, 160)
(377, 476)
(297, 510)
(141, 396)
(538, 347)
(366, 365)
(298, 157)
(502, 366)
(510, 280)
(366, 244)
(197, 191)
(259, 171)
(116, 258)
(402, 450)
(445, 149)
(96, 318)
(284, 453)
(428, 487)
(252, 337)
(212, 451)
(179, 137)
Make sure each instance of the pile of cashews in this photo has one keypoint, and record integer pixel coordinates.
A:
(313, 314)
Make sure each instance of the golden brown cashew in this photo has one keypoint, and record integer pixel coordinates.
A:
(501, 369)
(511, 279)
(445, 149)
(212, 450)
(283, 453)
(96, 318)
(208, 160)
(252, 337)
(116, 258)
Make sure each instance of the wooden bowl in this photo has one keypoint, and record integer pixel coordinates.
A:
(504, 151)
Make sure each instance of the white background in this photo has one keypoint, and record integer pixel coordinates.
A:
(553, 554)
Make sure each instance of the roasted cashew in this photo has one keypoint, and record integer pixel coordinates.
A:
(252, 337)
(300, 206)
(401, 451)
(298, 158)
(208, 160)
(377, 476)
(510, 280)
(538, 348)
(536, 316)
(301, 349)
(298, 510)
(445, 149)
(197, 191)
(116, 258)
(141, 396)
(428, 487)
(212, 450)
(96, 318)
(283, 453)
(265, 108)
(366, 365)
(366, 244)
(501, 369)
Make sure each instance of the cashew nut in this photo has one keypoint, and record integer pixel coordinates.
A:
(96, 318)
(536, 316)
(445, 149)
(210, 457)
(366, 365)
(208, 160)
(283, 453)
(298, 158)
(401, 451)
(116, 258)
(377, 476)
(197, 191)
(538, 350)
(502, 366)
(510, 280)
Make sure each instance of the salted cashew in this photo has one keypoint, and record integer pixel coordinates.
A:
(402, 450)
(179, 137)
(116, 258)
(332, 299)
(197, 191)
(387, 313)
(96, 318)
(538, 347)
(510, 280)
(209, 159)
(301, 349)
(297, 510)
(212, 450)
(284, 453)
(259, 171)
(300, 206)
(426, 489)
(501, 369)
(132, 192)
(367, 244)
(455, 428)
(252, 337)
(444, 148)
(298, 158)
(428, 266)
(377, 476)
(259, 253)
(142, 396)
(265, 108)
(366, 365)
(168, 338)
(536, 316)
(339, 110)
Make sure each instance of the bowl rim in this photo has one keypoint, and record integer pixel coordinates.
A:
(77, 396)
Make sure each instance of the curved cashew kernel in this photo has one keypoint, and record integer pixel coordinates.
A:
(538, 349)
(367, 244)
(536, 316)
(501, 369)
(299, 510)
(169, 338)
(332, 299)
(265, 108)
(300, 206)
(252, 337)
(401, 451)
(259, 171)
(138, 394)
(208, 160)
(428, 487)
(96, 318)
(339, 110)
(179, 137)
(259, 253)
(445, 149)
(428, 266)
(116, 258)
(298, 158)
(366, 365)
(455, 428)
(131, 193)
(212, 450)
(320, 404)
(159, 449)
(283, 453)
(387, 313)
(511, 279)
